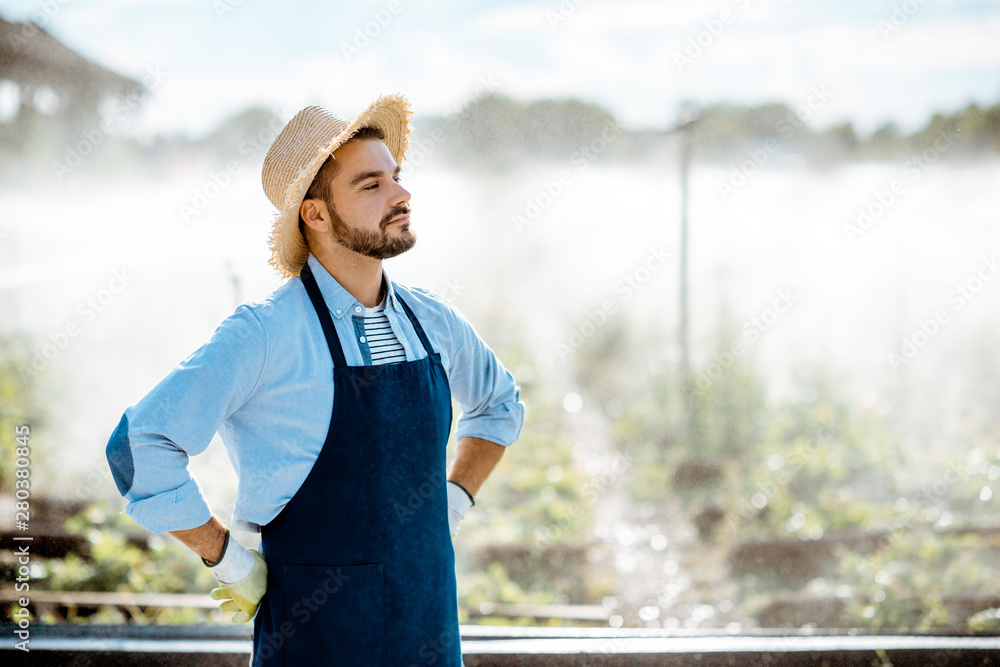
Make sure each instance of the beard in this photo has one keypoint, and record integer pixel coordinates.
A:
(374, 244)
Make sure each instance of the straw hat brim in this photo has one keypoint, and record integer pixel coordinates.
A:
(391, 114)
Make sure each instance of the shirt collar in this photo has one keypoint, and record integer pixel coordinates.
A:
(340, 302)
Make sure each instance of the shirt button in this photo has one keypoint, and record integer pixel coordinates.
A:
(357, 309)
(339, 311)
(362, 339)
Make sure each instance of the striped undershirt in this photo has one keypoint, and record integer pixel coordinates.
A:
(385, 348)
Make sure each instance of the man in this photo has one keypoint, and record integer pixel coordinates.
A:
(333, 398)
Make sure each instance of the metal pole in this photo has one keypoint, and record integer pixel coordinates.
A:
(237, 284)
(683, 334)
(687, 118)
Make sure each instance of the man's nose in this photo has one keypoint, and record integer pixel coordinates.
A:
(404, 195)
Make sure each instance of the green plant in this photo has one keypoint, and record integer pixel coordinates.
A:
(18, 407)
(921, 579)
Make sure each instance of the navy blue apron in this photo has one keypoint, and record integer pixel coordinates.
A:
(361, 569)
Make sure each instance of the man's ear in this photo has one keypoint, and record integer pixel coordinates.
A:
(315, 215)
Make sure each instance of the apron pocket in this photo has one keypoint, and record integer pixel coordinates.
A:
(335, 613)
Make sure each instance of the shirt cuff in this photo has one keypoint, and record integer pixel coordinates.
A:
(501, 425)
(182, 508)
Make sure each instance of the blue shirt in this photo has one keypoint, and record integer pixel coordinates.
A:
(264, 383)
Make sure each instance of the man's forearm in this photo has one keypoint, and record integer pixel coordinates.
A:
(206, 540)
(474, 461)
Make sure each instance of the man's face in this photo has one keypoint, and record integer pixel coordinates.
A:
(369, 209)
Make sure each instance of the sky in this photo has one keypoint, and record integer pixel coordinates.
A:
(877, 61)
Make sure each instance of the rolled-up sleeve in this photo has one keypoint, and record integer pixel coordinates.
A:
(149, 450)
(485, 390)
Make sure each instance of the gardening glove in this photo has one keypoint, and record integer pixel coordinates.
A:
(242, 576)
(459, 502)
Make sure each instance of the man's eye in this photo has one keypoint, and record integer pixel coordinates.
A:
(372, 186)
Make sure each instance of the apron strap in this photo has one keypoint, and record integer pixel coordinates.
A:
(416, 326)
(332, 340)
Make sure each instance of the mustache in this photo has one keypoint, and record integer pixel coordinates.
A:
(394, 213)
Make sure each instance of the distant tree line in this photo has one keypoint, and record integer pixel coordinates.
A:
(726, 129)
(497, 132)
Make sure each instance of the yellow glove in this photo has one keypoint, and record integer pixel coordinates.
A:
(244, 596)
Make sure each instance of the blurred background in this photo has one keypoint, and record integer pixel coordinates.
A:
(740, 256)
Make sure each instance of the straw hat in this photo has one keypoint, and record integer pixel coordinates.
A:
(298, 153)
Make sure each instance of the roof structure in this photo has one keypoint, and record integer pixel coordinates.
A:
(30, 55)
(36, 61)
